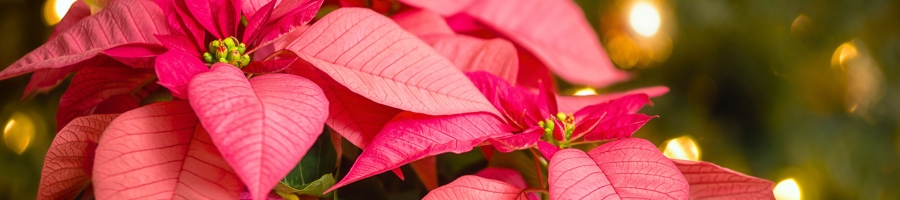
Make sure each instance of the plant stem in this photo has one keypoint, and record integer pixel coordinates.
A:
(537, 167)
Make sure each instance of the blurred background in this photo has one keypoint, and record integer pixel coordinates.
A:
(803, 93)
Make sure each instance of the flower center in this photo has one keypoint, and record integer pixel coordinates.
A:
(228, 50)
(565, 121)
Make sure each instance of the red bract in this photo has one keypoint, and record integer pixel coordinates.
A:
(385, 65)
(709, 181)
(629, 168)
(161, 152)
(623, 169)
(550, 35)
(634, 166)
(496, 56)
(69, 161)
(225, 126)
(520, 124)
(260, 127)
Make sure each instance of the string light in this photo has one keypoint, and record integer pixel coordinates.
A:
(18, 132)
(644, 19)
(54, 10)
(585, 92)
(683, 148)
(787, 189)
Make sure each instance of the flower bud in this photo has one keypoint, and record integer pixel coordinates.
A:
(233, 54)
(245, 59)
(550, 125)
(230, 42)
(561, 116)
(207, 57)
(242, 48)
(213, 46)
(221, 52)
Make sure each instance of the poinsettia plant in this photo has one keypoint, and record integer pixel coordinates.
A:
(251, 99)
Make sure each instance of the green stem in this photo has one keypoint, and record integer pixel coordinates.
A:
(538, 162)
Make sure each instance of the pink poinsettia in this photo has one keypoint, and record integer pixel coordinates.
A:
(496, 56)
(550, 36)
(467, 53)
(184, 99)
(526, 122)
(523, 119)
(626, 169)
(247, 121)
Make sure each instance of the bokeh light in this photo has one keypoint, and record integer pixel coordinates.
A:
(843, 53)
(585, 92)
(787, 189)
(54, 10)
(862, 75)
(644, 19)
(801, 25)
(18, 133)
(623, 50)
(683, 148)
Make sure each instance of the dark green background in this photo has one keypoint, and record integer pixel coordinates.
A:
(759, 96)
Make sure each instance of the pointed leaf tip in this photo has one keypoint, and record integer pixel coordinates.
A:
(710, 181)
(262, 126)
(82, 41)
(412, 136)
(175, 70)
(571, 104)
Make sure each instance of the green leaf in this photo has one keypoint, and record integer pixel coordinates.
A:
(160, 95)
(320, 160)
(315, 188)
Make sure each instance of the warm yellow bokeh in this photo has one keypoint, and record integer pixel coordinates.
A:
(843, 53)
(787, 189)
(585, 92)
(54, 10)
(801, 25)
(18, 133)
(644, 19)
(683, 148)
(862, 76)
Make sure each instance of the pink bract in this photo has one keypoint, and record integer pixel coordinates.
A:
(69, 162)
(410, 137)
(578, 58)
(628, 168)
(149, 115)
(469, 54)
(161, 151)
(474, 187)
(710, 181)
(262, 126)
